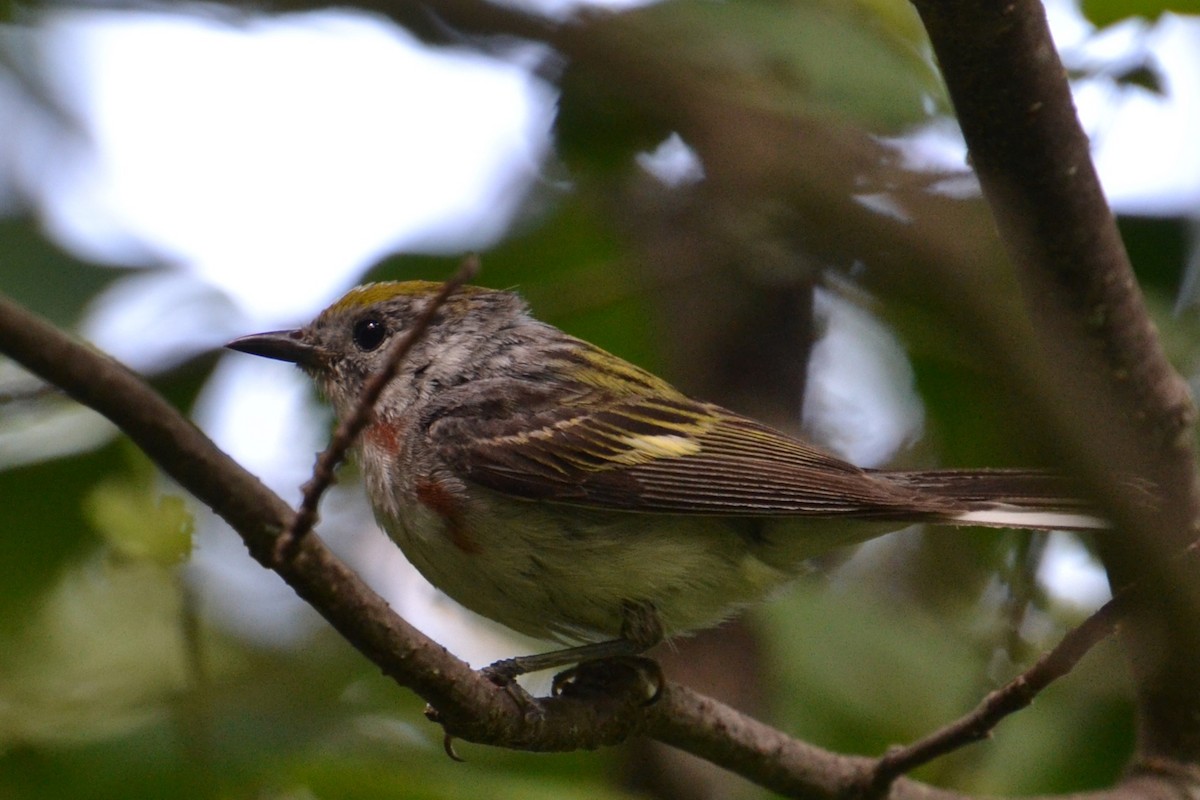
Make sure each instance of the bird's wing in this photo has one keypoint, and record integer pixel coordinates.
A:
(670, 455)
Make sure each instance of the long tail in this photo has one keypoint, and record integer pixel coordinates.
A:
(1006, 498)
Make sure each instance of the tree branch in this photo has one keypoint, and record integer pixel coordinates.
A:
(1012, 697)
(469, 706)
(1113, 403)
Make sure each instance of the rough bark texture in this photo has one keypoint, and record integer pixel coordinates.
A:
(1114, 404)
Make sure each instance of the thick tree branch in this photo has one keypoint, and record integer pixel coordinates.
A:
(1032, 159)
(1114, 405)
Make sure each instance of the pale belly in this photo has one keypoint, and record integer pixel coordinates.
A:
(559, 572)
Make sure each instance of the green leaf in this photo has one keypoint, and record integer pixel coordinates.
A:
(44, 527)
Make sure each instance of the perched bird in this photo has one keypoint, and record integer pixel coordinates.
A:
(557, 489)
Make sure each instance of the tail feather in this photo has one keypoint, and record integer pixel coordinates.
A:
(1019, 487)
(1002, 517)
(1006, 498)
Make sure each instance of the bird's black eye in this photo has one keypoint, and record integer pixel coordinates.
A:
(369, 333)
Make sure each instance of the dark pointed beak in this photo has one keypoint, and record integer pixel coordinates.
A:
(280, 345)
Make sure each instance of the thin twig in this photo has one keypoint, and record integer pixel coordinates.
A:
(1012, 697)
(349, 428)
(1017, 694)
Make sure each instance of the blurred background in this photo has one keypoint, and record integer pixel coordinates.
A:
(766, 202)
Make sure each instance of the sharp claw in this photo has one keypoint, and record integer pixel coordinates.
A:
(448, 746)
(658, 681)
(433, 715)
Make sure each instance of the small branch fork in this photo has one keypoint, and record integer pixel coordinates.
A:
(349, 429)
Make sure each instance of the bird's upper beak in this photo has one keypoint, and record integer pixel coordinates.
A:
(289, 346)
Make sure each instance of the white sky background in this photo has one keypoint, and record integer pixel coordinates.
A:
(271, 162)
(274, 159)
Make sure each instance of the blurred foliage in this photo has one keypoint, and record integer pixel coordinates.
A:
(46, 525)
(864, 62)
(858, 674)
(29, 258)
(570, 267)
(136, 520)
(1108, 12)
(116, 682)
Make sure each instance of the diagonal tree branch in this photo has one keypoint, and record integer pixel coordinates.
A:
(1033, 161)
(469, 706)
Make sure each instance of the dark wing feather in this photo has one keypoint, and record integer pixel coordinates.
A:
(1021, 488)
(670, 455)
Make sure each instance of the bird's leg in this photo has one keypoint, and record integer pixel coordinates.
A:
(641, 629)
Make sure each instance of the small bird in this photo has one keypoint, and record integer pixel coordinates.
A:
(547, 484)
